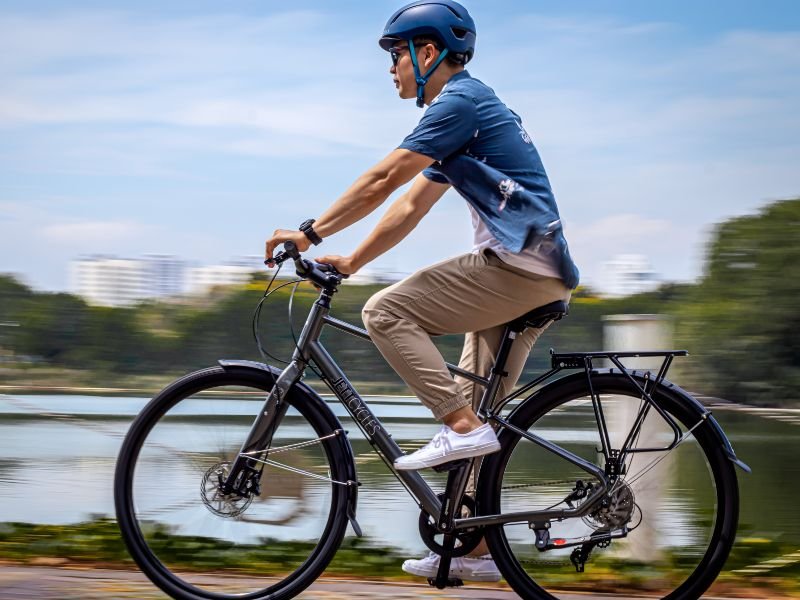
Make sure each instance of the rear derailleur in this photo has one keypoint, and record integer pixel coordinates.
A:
(580, 555)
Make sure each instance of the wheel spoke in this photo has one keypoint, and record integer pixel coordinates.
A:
(182, 522)
(663, 514)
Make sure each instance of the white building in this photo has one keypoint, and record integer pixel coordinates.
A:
(165, 275)
(627, 274)
(112, 281)
(108, 281)
(200, 280)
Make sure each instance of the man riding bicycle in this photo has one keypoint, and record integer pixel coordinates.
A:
(469, 140)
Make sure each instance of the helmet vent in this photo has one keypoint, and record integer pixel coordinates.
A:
(452, 10)
(459, 32)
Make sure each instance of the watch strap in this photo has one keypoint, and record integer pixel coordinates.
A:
(307, 228)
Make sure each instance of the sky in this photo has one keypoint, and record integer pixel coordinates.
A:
(197, 128)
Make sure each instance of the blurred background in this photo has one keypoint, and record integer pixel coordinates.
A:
(147, 151)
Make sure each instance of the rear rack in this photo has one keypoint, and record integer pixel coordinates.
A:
(578, 360)
(583, 360)
(645, 384)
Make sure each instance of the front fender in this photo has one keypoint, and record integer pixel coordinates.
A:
(302, 393)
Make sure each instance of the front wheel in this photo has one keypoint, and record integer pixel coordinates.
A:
(194, 541)
(665, 527)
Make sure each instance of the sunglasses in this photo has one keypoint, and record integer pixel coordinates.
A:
(395, 53)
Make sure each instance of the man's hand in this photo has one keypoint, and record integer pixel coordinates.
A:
(286, 235)
(343, 264)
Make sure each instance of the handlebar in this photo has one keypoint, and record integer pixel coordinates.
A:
(320, 274)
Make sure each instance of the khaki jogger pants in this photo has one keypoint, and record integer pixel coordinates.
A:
(474, 294)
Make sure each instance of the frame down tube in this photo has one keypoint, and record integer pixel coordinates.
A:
(372, 428)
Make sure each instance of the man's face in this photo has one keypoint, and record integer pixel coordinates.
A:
(403, 71)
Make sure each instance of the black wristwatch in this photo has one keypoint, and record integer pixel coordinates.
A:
(306, 227)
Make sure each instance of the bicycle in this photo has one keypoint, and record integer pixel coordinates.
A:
(561, 506)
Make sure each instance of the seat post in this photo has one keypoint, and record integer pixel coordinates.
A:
(498, 370)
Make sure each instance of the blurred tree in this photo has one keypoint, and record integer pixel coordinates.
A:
(52, 327)
(742, 319)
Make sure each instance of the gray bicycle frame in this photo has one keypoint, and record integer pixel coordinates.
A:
(309, 348)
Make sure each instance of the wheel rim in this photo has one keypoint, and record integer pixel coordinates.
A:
(212, 546)
(675, 500)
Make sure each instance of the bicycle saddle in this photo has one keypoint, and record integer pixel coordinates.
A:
(540, 316)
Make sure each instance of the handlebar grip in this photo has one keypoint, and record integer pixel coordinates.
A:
(319, 274)
(291, 250)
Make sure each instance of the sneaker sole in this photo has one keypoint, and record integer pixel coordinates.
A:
(459, 573)
(458, 455)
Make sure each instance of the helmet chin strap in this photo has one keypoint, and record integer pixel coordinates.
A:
(423, 79)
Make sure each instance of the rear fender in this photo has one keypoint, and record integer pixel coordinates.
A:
(300, 393)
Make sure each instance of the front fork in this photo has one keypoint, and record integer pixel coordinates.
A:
(243, 467)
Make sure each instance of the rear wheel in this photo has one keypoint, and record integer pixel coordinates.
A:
(194, 541)
(678, 509)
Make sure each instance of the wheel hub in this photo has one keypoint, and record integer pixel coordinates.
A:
(615, 510)
(221, 504)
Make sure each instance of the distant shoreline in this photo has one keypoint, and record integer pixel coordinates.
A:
(109, 391)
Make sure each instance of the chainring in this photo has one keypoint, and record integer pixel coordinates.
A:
(466, 539)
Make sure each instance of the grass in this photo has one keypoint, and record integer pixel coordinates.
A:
(752, 565)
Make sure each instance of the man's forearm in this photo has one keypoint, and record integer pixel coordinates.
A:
(365, 195)
(371, 190)
(396, 224)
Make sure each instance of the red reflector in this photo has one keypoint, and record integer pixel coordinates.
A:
(559, 542)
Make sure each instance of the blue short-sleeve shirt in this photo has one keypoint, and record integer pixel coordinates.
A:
(483, 151)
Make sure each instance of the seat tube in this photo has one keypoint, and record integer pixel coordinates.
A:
(498, 370)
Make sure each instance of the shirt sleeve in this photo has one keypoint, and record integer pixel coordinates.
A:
(447, 125)
(434, 174)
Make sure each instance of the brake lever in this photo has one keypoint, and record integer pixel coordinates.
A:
(276, 260)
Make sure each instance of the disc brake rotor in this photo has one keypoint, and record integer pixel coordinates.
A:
(615, 510)
(223, 505)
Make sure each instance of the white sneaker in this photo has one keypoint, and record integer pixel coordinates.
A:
(466, 568)
(447, 445)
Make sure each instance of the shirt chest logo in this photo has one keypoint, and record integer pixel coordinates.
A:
(523, 134)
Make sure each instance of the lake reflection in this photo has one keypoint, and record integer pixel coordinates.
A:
(55, 470)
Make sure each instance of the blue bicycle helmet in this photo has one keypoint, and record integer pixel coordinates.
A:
(445, 20)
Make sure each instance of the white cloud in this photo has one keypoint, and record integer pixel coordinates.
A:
(671, 246)
(95, 232)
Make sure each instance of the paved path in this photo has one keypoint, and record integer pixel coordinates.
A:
(49, 583)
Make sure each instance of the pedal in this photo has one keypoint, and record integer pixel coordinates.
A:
(449, 582)
(450, 466)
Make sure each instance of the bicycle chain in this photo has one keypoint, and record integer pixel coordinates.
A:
(551, 482)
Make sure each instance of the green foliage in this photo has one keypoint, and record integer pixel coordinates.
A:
(739, 323)
(743, 317)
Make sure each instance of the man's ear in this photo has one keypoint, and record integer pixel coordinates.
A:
(430, 54)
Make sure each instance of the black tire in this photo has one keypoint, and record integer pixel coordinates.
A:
(687, 525)
(166, 470)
